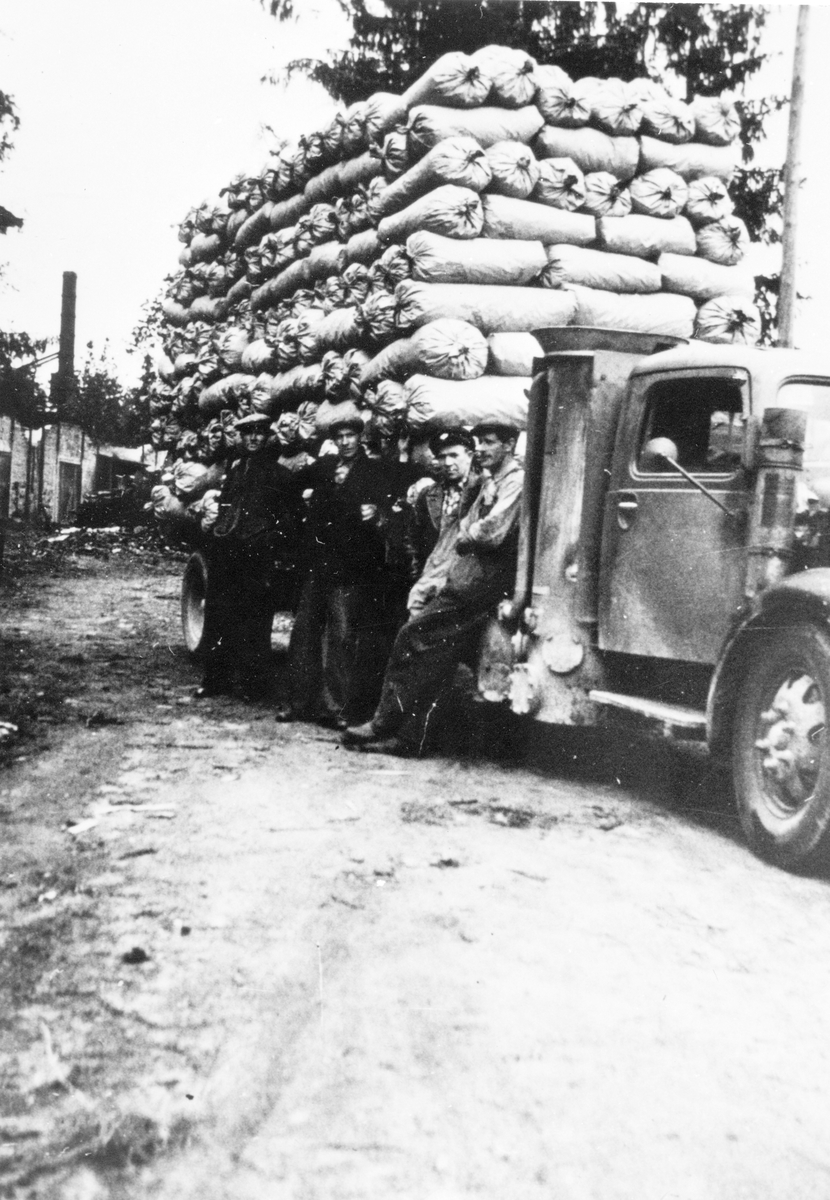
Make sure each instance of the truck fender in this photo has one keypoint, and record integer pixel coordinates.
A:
(797, 599)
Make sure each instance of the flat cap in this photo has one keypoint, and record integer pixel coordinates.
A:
(451, 437)
(252, 421)
(504, 429)
(355, 423)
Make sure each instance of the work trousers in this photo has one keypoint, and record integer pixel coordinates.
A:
(239, 613)
(426, 653)
(337, 649)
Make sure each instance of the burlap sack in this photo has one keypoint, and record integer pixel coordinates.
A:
(646, 237)
(704, 280)
(725, 241)
(455, 80)
(429, 125)
(729, 319)
(717, 122)
(489, 308)
(562, 102)
(590, 149)
(659, 193)
(657, 313)
(512, 72)
(435, 259)
(259, 356)
(457, 160)
(691, 160)
(668, 119)
(512, 354)
(561, 184)
(606, 196)
(448, 210)
(708, 201)
(616, 109)
(382, 112)
(505, 217)
(446, 404)
(515, 171)
(620, 273)
(445, 349)
(288, 212)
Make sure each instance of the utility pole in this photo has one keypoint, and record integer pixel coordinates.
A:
(793, 178)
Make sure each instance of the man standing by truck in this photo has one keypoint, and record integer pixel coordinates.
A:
(331, 653)
(429, 648)
(251, 551)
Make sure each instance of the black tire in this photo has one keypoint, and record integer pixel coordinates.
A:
(194, 591)
(781, 748)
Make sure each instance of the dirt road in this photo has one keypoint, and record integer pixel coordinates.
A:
(240, 963)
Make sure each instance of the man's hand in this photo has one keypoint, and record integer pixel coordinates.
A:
(369, 512)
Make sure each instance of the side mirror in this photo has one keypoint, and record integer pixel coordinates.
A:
(657, 454)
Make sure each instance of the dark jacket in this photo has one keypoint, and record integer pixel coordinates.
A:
(337, 540)
(258, 503)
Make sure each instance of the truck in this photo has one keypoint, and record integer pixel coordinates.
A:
(674, 563)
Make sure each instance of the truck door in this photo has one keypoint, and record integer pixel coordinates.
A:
(673, 562)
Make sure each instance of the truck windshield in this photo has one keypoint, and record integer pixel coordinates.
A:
(814, 399)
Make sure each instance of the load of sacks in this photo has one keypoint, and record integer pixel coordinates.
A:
(397, 261)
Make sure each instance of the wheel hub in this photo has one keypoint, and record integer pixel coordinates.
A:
(792, 733)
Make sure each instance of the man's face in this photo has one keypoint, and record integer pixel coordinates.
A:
(253, 438)
(491, 451)
(455, 463)
(347, 442)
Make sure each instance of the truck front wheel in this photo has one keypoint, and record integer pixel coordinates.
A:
(781, 751)
(194, 591)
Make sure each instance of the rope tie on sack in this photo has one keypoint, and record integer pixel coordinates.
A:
(738, 321)
(467, 212)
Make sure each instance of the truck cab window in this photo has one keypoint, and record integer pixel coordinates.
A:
(704, 419)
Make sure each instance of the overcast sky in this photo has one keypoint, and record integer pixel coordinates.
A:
(132, 113)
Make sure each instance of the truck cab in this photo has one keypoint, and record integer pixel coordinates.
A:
(672, 562)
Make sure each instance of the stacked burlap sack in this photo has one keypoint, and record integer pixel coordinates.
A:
(397, 262)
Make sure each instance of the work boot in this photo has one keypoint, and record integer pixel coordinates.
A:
(332, 721)
(387, 745)
(360, 735)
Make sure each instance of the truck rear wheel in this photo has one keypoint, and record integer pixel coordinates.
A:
(781, 750)
(194, 591)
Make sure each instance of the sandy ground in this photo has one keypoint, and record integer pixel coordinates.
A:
(240, 963)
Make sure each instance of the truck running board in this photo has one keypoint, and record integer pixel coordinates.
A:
(677, 720)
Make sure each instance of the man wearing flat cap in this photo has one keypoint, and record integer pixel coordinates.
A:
(330, 657)
(436, 513)
(481, 572)
(250, 554)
